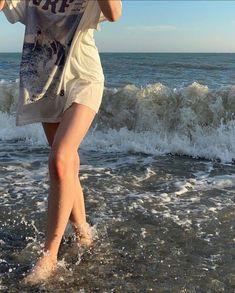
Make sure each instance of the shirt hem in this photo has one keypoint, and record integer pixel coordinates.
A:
(36, 120)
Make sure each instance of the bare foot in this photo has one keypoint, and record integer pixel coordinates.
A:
(42, 270)
(84, 235)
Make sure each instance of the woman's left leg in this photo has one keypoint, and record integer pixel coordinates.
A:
(63, 163)
(78, 213)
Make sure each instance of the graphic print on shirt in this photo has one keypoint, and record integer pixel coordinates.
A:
(50, 29)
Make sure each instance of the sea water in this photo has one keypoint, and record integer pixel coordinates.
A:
(157, 171)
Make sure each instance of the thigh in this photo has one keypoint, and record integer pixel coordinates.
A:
(50, 131)
(73, 126)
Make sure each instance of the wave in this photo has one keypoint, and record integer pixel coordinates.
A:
(154, 119)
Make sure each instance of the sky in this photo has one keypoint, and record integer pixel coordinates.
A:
(154, 26)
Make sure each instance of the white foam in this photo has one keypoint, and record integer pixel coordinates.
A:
(154, 119)
(32, 133)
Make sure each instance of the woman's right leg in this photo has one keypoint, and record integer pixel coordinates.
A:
(63, 165)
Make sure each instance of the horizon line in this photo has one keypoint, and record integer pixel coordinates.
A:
(146, 52)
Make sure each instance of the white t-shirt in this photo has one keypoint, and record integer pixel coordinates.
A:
(60, 63)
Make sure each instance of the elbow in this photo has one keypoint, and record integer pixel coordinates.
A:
(2, 5)
(115, 16)
(112, 10)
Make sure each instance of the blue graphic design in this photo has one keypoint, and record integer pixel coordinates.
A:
(49, 33)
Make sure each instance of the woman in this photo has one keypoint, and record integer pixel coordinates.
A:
(65, 98)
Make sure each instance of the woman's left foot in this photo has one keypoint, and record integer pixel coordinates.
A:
(84, 235)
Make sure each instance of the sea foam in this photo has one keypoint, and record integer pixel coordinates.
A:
(154, 119)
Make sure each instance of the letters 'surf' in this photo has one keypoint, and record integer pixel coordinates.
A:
(56, 6)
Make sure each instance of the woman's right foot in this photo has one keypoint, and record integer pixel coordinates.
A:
(42, 270)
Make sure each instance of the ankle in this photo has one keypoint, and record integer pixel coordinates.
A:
(50, 255)
(81, 227)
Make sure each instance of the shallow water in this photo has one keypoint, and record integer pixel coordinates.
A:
(157, 171)
(162, 223)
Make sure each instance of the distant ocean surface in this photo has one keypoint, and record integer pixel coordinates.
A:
(157, 168)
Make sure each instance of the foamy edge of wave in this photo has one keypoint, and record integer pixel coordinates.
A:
(153, 119)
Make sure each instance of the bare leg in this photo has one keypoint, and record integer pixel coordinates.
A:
(63, 165)
(78, 214)
(78, 217)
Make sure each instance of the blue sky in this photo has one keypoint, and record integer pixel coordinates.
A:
(155, 26)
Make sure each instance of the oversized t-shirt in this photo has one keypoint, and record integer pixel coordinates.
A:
(50, 27)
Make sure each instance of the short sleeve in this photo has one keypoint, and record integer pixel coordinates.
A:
(102, 17)
(15, 11)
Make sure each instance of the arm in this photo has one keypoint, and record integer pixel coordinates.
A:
(112, 9)
(2, 4)
(14, 10)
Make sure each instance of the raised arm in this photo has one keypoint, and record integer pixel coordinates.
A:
(112, 9)
(2, 4)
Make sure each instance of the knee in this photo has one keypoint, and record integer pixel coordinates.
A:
(63, 164)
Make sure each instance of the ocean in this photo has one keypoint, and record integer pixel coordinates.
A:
(157, 171)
